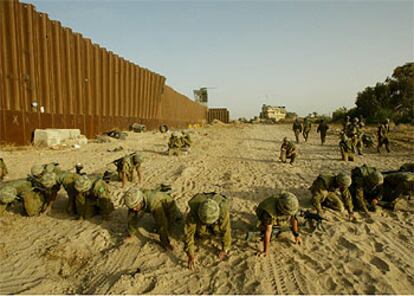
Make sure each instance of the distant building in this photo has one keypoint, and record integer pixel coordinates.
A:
(270, 112)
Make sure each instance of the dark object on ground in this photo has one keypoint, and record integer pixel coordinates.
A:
(120, 148)
(314, 220)
(117, 134)
(137, 128)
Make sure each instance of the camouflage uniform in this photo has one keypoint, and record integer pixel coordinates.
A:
(328, 192)
(175, 144)
(354, 133)
(136, 160)
(7, 195)
(186, 140)
(383, 138)
(307, 126)
(67, 180)
(194, 225)
(20, 187)
(366, 187)
(100, 197)
(163, 209)
(288, 151)
(125, 167)
(347, 148)
(47, 186)
(85, 207)
(396, 186)
(3, 169)
(268, 213)
(297, 129)
(322, 129)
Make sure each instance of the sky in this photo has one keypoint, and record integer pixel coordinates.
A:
(310, 56)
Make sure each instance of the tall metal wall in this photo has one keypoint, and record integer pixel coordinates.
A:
(78, 84)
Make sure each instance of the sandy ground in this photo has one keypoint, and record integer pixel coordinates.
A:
(56, 254)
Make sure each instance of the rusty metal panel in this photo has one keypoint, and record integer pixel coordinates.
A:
(78, 53)
(122, 85)
(86, 76)
(97, 85)
(14, 131)
(71, 121)
(59, 121)
(56, 68)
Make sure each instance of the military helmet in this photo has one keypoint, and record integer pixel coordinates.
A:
(376, 178)
(136, 158)
(209, 211)
(48, 180)
(83, 184)
(288, 203)
(50, 167)
(7, 194)
(343, 180)
(78, 165)
(133, 197)
(36, 170)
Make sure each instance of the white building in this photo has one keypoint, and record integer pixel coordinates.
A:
(276, 112)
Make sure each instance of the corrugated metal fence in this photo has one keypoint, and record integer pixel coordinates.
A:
(221, 114)
(51, 77)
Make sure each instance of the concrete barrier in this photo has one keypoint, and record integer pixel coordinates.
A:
(53, 137)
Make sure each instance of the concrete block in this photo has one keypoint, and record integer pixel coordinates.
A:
(53, 137)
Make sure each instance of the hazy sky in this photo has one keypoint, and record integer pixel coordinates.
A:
(306, 55)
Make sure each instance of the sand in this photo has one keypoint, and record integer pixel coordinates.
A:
(56, 254)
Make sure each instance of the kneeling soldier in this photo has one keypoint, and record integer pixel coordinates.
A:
(160, 205)
(279, 211)
(325, 193)
(287, 151)
(209, 214)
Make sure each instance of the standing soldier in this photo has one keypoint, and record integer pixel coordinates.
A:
(324, 193)
(347, 148)
(297, 128)
(366, 187)
(209, 214)
(160, 205)
(383, 137)
(278, 211)
(322, 129)
(354, 134)
(307, 126)
(3, 169)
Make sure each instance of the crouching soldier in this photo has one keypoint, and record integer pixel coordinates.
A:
(396, 188)
(84, 207)
(366, 187)
(186, 138)
(325, 193)
(67, 181)
(101, 197)
(209, 215)
(287, 151)
(12, 191)
(160, 205)
(3, 169)
(44, 186)
(279, 211)
(175, 144)
(7, 195)
(347, 148)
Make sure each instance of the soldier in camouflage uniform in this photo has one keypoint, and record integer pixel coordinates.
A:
(297, 129)
(347, 148)
(7, 195)
(354, 134)
(175, 144)
(125, 168)
(322, 129)
(100, 197)
(332, 191)
(383, 138)
(366, 188)
(15, 190)
(45, 182)
(67, 181)
(307, 127)
(279, 210)
(186, 138)
(397, 186)
(3, 169)
(287, 151)
(160, 205)
(84, 206)
(209, 215)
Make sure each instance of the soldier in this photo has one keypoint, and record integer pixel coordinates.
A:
(186, 140)
(84, 206)
(7, 195)
(354, 134)
(15, 189)
(325, 193)
(347, 148)
(383, 138)
(407, 167)
(160, 205)
(100, 198)
(396, 186)
(175, 144)
(78, 168)
(125, 169)
(307, 126)
(209, 214)
(297, 128)
(3, 169)
(366, 187)
(46, 183)
(136, 165)
(279, 210)
(287, 151)
(322, 129)
(67, 180)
